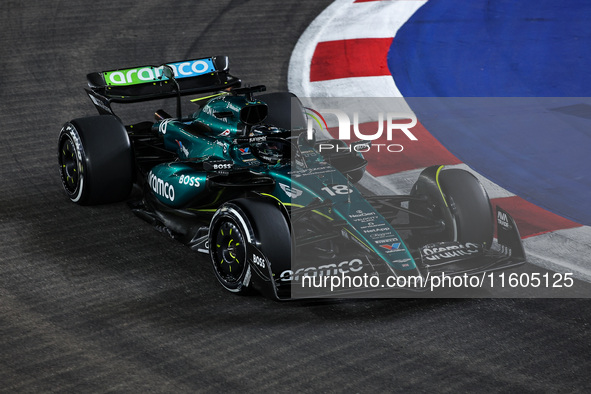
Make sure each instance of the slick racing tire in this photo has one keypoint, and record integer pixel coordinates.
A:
(241, 221)
(95, 160)
(470, 206)
(458, 199)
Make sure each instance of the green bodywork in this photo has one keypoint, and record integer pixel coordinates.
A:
(184, 184)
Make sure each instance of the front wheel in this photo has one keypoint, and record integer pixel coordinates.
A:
(456, 198)
(244, 221)
(470, 206)
(228, 234)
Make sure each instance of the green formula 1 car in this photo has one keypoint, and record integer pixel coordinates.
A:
(240, 180)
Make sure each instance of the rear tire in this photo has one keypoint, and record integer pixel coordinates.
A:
(95, 160)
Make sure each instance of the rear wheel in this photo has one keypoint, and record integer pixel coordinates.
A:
(95, 160)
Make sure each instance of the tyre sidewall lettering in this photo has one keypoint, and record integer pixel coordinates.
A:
(70, 132)
(81, 157)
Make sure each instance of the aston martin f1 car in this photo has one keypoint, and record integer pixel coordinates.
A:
(241, 180)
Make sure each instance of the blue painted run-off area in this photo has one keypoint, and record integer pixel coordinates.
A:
(507, 48)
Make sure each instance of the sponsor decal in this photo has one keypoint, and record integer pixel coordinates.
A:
(244, 151)
(190, 181)
(134, 76)
(449, 251)
(366, 220)
(315, 171)
(222, 166)
(232, 106)
(161, 187)
(259, 261)
(225, 133)
(291, 192)
(391, 247)
(260, 138)
(223, 145)
(359, 213)
(376, 236)
(308, 153)
(376, 230)
(387, 240)
(343, 267)
(218, 165)
(403, 263)
(182, 148)
(503, 220)
(369, 224)
(163, 125)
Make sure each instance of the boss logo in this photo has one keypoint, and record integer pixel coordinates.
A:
(258, 261)
(189, 181)
(226, 166)
(217, 165)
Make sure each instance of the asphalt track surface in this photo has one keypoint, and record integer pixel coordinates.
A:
(93, 300)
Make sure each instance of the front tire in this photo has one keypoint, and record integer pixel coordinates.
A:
(228, 234)
(259, 222)
(456, 198)
(470, 206)
(95, 160)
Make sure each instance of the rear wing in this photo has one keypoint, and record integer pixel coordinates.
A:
(145, 83)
